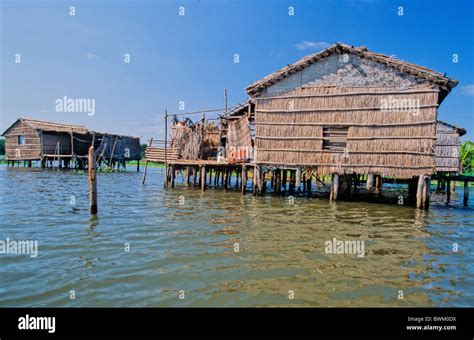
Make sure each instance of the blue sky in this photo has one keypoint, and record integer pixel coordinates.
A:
(190, 58)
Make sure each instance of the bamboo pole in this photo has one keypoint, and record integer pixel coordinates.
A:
(166, 148)
(112, 153)
(92, 181)
(146, 162)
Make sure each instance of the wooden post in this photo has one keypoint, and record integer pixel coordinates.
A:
(172, 174)
(256, 178)
(466, 193)
(203, 177)
(188, 175)
(298, 179)
(244, 178)
(426, 192)
(92, 181)
(166, 146)
(419, 192)
(448, 192)
(146, 164)
(370, 182)
(334, 187)
(283, 182)
(112, 154)
(378, 183)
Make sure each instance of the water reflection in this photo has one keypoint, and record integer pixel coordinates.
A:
(184, 239)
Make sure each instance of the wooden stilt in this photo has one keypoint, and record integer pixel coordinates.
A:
(466, 193)
(334, 187)
(244, 179)
(426, 192)
(92, 181)
(283, 181)
(225, 178)
(173, 175)
(370, 182)
(448, 192)
(203, 178)
(419, 192)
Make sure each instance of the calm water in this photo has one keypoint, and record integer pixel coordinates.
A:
(190, 247)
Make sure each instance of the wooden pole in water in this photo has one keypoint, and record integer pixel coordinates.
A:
(92, 181)
(146, 163)
(334, 187)
(166, 148)
(419, 192)
(172, 175)
(426, 192)
(244, 178)
(203, 178)
(112, 154)
(466, 193)
(448, 192)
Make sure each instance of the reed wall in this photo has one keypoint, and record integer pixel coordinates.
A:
(382, 138)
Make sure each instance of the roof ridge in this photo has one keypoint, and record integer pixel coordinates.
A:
(338, 47)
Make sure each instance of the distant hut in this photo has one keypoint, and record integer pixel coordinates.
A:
(34, 140)
(448, 147)
(29, 140)
(346, 111)
(117, 148)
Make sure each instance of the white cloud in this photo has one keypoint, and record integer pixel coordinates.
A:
(468, 89)
(91, 56)
(312, 45)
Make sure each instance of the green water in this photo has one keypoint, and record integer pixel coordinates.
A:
(184, 240)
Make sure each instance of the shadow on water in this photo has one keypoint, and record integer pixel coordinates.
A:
(222, 248)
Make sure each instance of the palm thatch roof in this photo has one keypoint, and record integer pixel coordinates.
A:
(339, 48)
(460, 130)
(49, 126)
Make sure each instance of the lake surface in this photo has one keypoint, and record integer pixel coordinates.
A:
(184, 240)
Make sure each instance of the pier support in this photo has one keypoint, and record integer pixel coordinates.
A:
(334, 187)
(92, 181)
(244, 178)
(448, 191)
(370, 182)
(466, 193)
(203, 177)
(423, 192)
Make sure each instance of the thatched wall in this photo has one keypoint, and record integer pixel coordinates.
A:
(447, 149)
(191, 141)
(307, 126)
(32, 147)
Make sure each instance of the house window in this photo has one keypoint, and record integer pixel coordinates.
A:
(21, 140)
(335, 138)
